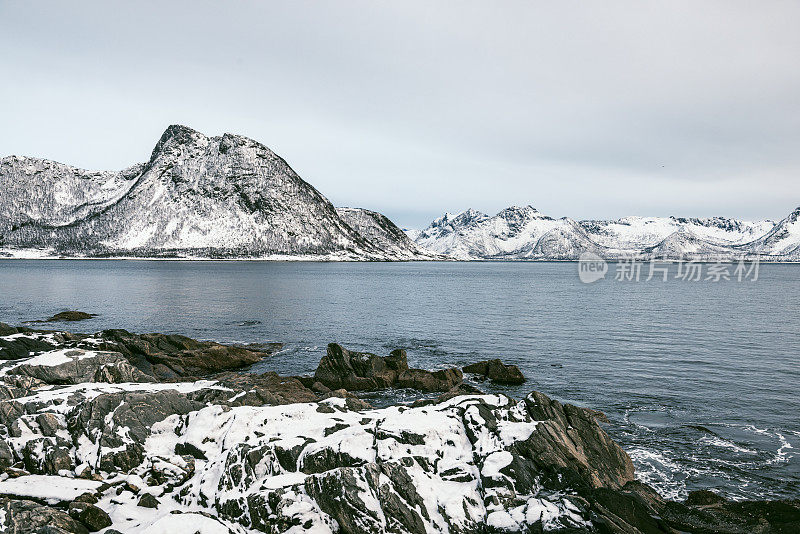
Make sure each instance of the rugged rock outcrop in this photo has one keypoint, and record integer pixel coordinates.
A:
(247, 453)
(172, 356)
(496, 371)
(160, 356)
(430, 381)
(363, 371)
(74, 366)
(19, 342)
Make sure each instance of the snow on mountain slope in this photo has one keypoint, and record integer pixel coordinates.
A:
(198, 196)
(642, 232)
(39, 191)
(525, 233)
(474, 235)
(382, 232)
(683, 243)
(782, 240)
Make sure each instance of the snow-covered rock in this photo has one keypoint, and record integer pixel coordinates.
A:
(244, 454)
(197, 196)
(312, 467)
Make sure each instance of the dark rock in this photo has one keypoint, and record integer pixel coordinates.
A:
(620, 511)
(359, 371)
(49, 424)
(249, 389)
(571, 448)
(6, 456)
(47, 456)
(29, 342)
(338, 494)
(429, 381)
(267, 348)
(7, 329)
(496, 371)
(91, 498)
(168, 356)
(638, 508)
(147, 500)
(68, 316)
(307, 381)
(187, 449)
(28, 517)
(90, 515)
(704, 498)
(319, 387)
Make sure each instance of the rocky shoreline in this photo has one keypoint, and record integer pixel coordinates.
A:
(152, 433)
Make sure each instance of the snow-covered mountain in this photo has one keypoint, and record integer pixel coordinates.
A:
(197, 196)
(525, 233)
(783, 240)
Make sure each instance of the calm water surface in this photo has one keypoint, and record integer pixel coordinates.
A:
(700, 379)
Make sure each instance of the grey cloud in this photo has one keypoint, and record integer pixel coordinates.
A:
(412, 108)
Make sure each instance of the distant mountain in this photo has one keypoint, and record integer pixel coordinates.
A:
(197, 196)
(383, 233)
(525, 233)
(783, 240)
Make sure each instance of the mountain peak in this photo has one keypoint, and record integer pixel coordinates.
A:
(175, 134)
(517, 215)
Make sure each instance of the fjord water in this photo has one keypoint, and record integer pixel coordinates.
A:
(699, 379)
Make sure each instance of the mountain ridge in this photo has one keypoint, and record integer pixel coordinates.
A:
(524, 233)
(197, 196)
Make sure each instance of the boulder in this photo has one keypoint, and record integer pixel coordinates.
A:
(496, 371)
(704, 498)
(363, 371)
(430, 381)
(351, 400)
(90, 515)
(148, 501)
(637, 507)
(457, 391)
(7, 329)
(359, 371)
(28, 517)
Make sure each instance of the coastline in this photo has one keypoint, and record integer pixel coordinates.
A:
(110, 423)
(30, 254)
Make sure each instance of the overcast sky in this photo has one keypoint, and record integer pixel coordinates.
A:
(581, 109)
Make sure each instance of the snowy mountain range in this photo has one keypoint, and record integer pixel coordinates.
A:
(197, 196)
(525, 233)
(232, 197)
